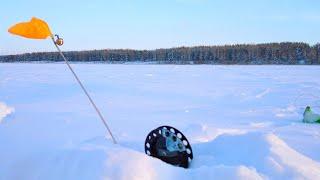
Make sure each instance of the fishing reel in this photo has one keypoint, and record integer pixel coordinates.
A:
(169, 145)
(58, 41)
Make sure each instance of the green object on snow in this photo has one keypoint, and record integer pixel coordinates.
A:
(310, 117)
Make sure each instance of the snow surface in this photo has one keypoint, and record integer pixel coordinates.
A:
(4, 111)
(244, 122)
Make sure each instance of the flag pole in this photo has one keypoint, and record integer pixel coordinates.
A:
(84, 90)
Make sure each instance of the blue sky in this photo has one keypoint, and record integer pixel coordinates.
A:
(151, 24)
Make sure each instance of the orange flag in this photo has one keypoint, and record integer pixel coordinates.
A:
(34, 29)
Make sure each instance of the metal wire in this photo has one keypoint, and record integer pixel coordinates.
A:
(85, 91)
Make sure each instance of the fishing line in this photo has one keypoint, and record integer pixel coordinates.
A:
(314, 100)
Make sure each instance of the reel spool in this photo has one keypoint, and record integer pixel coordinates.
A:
(58, 41)
(170, 145)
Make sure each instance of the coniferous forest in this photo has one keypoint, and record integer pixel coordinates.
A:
(269, 53)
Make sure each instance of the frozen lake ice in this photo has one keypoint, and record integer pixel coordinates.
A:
(242, 121)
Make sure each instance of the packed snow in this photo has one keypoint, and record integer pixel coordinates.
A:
(243, 122)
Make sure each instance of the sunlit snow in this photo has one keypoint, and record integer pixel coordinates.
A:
(244, 122)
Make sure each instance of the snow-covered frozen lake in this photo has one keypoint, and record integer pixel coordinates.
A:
(244, 122)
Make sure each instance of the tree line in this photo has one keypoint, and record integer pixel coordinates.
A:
(268, 53)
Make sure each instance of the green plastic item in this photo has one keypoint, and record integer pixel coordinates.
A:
(310, 117)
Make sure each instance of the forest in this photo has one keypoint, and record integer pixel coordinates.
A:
(267, 53)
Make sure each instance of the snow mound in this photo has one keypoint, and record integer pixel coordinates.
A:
(267, 153)
(206, 133)
(253, 155)
(296, 164)
(103, 160)
(4, 111)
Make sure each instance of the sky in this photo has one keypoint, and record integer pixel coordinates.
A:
(152, 24)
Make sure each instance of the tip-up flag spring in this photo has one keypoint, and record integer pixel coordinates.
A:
(39, 29)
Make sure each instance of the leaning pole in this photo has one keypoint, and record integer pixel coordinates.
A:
(39, 29)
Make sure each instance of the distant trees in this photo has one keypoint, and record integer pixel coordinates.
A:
(270, 53)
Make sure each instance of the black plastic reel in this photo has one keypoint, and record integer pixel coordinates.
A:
(170, 145)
